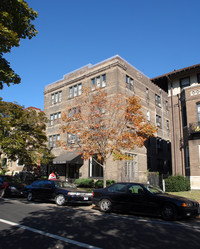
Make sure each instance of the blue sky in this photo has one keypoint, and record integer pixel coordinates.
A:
(155, 36)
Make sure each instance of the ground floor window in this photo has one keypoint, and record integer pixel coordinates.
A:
(95, 169)
(131, 167)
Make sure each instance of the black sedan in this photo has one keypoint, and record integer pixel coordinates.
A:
(61, 192)
(10, 186)
(146, 199)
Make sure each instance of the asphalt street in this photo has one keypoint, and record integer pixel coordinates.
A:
(27, 225)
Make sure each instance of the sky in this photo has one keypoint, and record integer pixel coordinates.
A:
(155, 36)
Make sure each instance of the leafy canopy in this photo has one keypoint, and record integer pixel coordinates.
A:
(15, 24)
(105, 125)
(22, 133)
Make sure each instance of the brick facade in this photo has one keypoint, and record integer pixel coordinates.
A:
(184, 97)
(118, 72)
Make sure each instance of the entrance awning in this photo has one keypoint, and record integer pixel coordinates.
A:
(68, 157)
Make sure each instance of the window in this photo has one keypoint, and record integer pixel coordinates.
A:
(158, 121)
(71, 138)
(198, 78)
(157, 100)
(199, 152)
(148, 115)
(75, 90)
(53, 139)
(147, 93)
(166, 105)
(135, 189)
(95, 169)
(74, 111)
(70, 92)
(129, 83)
(51, 119)
(60, 96)
(103, 80)
(131, 167)
(167, 124)
(119, 187)
(55, 118)
(99, 81)
(80, 89)
(184, 116)
(187, 158)
(184, 82)
(56, 97)
(198, 112)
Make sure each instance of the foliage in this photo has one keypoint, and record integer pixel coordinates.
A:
(84, 182)
(3, 171)
(177, 184)
(106, 126)
(15, 24)
(22, 134)
(99, 183)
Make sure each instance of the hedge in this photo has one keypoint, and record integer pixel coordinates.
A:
(177, 184)
(84, 182)
(99, 183)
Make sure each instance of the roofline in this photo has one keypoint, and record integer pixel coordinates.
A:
(31, 107)
(176, 72)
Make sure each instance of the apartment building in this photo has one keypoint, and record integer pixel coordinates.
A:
(112, 75)
(183, 88)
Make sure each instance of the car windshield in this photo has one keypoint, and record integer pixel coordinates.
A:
(64, 184)
(154, 190)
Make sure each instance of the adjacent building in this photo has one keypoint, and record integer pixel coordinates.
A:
(183, 88)
(113, 75)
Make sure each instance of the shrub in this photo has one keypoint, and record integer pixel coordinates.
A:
(99, 183)
(177, 184)
(84, 182)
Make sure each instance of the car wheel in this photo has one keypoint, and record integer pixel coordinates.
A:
(169, 212)
(60, 200)
(105, 205)
(30, 196)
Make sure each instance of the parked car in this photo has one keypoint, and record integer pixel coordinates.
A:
(145, 199)
(10, 186)
(61, 192)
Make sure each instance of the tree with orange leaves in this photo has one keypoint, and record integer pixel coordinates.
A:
(106, 125)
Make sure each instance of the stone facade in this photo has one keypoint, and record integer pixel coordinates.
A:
(114, 75)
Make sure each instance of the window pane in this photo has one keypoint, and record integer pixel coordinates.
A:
(56, 97)
(198, 111)
(184, 82)
(60, 96)
(52, 98)
(79, 89)
(103, 80)
(98, 82)
(75, 91)
(127, 79)
(70, 92)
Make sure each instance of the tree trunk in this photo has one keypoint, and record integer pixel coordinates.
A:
(104, 174)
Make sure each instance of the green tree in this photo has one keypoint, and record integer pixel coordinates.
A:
(22, 134)
(15, 24)
(106, 126)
